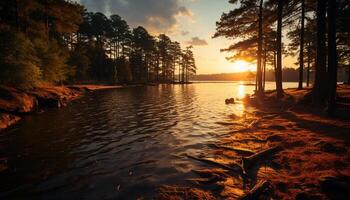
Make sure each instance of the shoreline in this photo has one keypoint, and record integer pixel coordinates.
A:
(16, 103)
(281, 150)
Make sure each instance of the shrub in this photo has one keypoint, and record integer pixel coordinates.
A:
(18, 60)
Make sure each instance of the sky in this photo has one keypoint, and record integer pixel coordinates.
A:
(190, 22)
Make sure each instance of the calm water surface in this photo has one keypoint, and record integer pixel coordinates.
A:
(116, 144)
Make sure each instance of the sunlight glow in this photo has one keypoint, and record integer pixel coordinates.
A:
(242, 66)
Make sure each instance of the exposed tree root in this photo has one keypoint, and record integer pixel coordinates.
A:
(257, 190)
(235, 168)
(238, 150)
(248, 162)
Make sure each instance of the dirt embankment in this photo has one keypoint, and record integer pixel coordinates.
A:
(15, 103)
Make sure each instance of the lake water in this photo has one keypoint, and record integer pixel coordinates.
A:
(117, 144)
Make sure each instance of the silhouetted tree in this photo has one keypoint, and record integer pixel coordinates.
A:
(320, 86)
(332, 55)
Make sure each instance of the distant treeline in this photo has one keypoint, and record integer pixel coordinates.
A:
(58, 41)
(289, 75)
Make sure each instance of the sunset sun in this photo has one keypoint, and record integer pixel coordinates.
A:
(242, 66)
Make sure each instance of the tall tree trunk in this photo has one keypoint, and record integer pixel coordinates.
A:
(320, 85)
(260, 90)
(17, 15)
(301, 56)
(332, 56)
(183, 74)
(279, 87)
(275, 64)
(349, 75)
(157, 69)
(47, 29)
(264, 69)
(308, 67)
(179, 73)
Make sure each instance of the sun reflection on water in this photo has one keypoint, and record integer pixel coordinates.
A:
(241, 91)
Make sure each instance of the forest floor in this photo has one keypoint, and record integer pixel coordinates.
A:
(283, 150)
(15, 103)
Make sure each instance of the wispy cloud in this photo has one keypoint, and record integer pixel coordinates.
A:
(184, 33)
(196, 41)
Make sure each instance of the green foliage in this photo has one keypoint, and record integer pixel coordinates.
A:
(52, 61)
(18, 61)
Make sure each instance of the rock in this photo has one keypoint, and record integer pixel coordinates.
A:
(16, 101)
(230, 101)
(7, 120)
(335, 187)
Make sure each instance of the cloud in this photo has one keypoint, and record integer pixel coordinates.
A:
(196, 41)
(184, 33)
(156, 15)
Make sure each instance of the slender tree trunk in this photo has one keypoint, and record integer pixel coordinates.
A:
(301, 57)
(264, 76)
(256, 82)
(157, 69)
(320, 85)
(146, 68)
(47, 30)
(179, 75)
(332, 56)
(279, 88)
(183, 73)
(275, 64)
(17, 15)
(117, 49)
(260, 90)
(349, 75)
(308, 68)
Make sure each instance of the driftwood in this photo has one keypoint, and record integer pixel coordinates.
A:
(248, 162)
(236, 167)
(235, 149)
(253, 124)
(229, 123)
(239, 131)
(244, 140)
(257, 190)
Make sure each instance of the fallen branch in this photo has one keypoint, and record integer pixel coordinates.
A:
(247, 162)
(238, 150)
(253, 124)
(257, 190)
(236, 168)
(244, 140)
